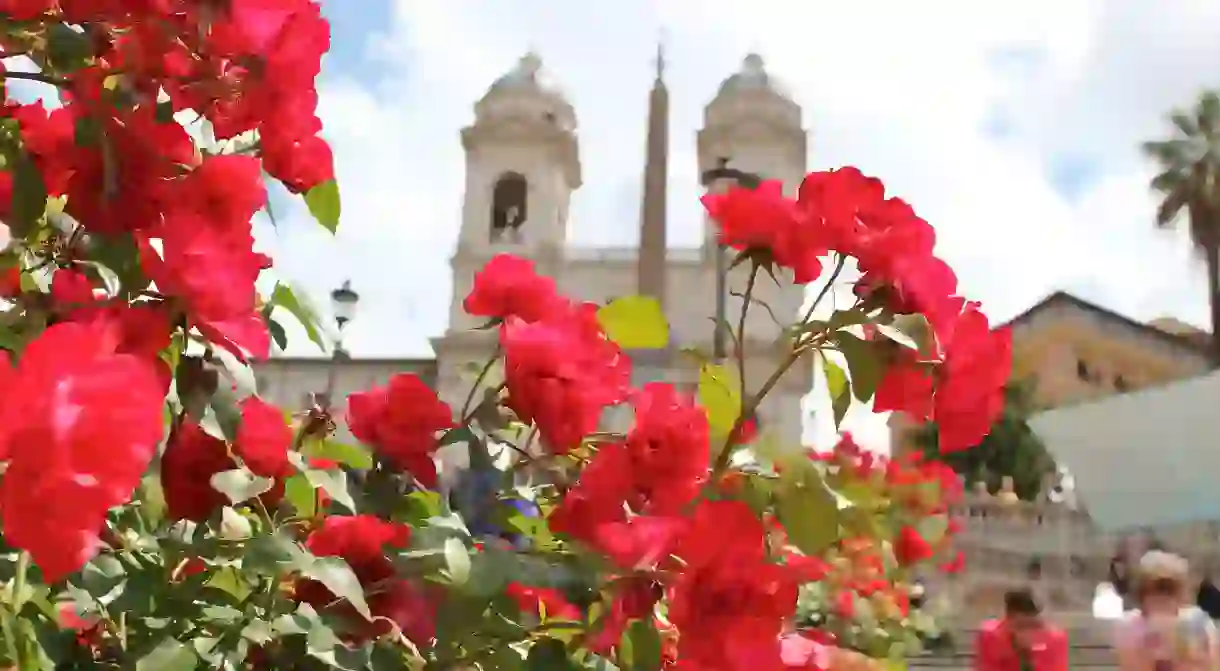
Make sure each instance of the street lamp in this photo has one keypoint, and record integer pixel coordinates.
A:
(747, 180)
(343, 304)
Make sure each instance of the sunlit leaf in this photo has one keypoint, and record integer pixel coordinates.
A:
(240, 372)
(29, 196)
(720, 395)
(240, 484)
(299, 306)
(911, 331)
(229, 580)
(863, 362)
(807, 508)
(933, 528)
(635, 322)
(337, 576)
(334, 483)
(457, 562)
(640, 647)
(301, 495)
(838, 387)
(324, 205)
(170, 655)
(355, 456)
(233, 527)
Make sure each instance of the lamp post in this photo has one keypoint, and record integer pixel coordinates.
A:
(747, 180)
(343, 304)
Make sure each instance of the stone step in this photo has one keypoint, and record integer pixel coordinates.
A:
(1080, 657)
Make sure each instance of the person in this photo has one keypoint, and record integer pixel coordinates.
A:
(1165, 632)
(1208, 598)
(1120, 576)
(1022, 640)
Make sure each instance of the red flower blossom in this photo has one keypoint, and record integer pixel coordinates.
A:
(765, 219)
(192, 457)
(729, 603)
(910, 547)
(508, 286)
(561, 372)
(361, 541)
(954, 564)
(401, 422)
(543, 600)
(75, 447)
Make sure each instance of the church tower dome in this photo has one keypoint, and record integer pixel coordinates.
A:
(752, 93)
(526, 92)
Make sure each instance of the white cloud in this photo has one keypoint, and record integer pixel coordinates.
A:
(911, 92)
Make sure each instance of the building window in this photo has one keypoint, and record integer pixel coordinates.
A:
(509, 201)
(1120, 384)
(1082, 371)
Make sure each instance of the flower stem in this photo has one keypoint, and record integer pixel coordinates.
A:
(741, 329)
(35, 77)
(478, 382)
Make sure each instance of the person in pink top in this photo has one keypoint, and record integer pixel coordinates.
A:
(1022, 640)
(1165, 632)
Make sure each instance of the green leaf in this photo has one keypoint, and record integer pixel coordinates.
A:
(337, 576)
(240, 484)
(864, 363)
(347, 454)
(273, 552)
(170, 655)
(102, 575)
(490, 572)
(720, 395)
(67, 49)
(278, 335)
(230, 581)
(534, 528)
(933, 528)
(302, 309)
(418, 507)
(640, 648)
(548, 654)
(635, 322)
(807, 508)
(323, 202)
(258, 632)
(29, 196)
(839, 388)
(221, 418)
(301, 495)
(911, 331)
(334, 483)
(457, 562)
(240, 372)
(120, 254)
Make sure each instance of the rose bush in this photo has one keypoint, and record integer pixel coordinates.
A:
(157, 514)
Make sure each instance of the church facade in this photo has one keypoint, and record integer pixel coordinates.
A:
(523, 168)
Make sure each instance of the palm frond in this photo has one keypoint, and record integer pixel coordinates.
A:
(1169, 181)
(1175, 201)
(1186, 123)
(1208, 111)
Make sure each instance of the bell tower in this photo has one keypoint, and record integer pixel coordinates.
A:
(522, 165)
